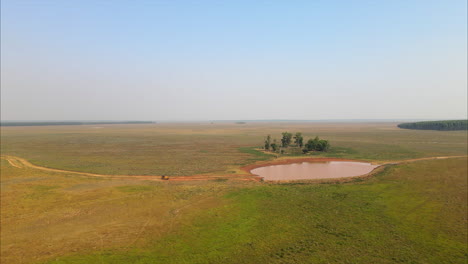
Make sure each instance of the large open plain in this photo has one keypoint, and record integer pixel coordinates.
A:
(408, 212)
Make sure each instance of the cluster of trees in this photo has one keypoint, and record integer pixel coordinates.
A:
(287, 138)
(316, 144)
(437, 125)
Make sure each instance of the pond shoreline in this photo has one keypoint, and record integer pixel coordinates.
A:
(250, 167)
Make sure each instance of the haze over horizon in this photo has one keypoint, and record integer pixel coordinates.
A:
(226, 120)
(161, 60)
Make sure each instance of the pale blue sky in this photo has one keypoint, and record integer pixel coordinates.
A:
(202, 60)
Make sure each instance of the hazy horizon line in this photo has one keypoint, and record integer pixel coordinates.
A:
(237, 120)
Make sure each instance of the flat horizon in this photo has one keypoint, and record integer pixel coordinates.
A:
(241, 120)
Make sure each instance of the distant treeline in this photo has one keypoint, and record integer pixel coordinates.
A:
(72, 123)
(437, 125)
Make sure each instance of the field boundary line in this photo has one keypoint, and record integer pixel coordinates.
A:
(422, 159)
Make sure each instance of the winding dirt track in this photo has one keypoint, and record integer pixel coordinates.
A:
(21, 163)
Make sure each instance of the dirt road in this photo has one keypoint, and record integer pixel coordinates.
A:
(21, 163)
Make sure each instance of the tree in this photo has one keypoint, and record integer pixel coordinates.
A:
(317, 145)
(274, 146)
(325, 145)
(267, 142)
(298, 139)
(286, 139)
(322, 145)
(312, 144)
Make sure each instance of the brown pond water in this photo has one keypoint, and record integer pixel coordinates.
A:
(313, 170)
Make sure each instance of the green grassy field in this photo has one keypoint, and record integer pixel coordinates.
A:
(408, 213)
(187, 149)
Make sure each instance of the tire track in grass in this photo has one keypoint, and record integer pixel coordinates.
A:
(14, 161)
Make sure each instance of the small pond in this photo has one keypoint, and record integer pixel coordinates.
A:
(313, 170)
